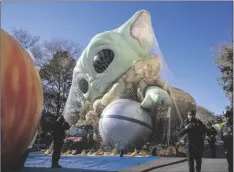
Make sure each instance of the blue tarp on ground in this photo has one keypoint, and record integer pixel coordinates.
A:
(105, 163)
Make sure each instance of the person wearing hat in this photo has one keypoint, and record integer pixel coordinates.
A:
(227, 137)
(195, 131)
(211, 136)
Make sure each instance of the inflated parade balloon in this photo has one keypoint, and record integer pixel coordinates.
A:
(21, 100)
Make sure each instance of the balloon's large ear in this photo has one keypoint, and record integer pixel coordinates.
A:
(138, 32)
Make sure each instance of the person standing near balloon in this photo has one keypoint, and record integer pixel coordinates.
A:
(211, 135)
(58, 134)
(195, 131)
(227, 137)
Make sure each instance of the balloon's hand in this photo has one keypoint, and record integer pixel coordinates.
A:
(155, 96)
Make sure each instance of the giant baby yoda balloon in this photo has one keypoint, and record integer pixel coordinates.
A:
(119, 74)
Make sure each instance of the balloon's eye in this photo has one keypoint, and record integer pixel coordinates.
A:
(102, 60)
(83, 85)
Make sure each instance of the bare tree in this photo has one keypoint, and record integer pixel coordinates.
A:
(55, 61)
(56, 68)
(204, 114)
(28, 41)
(224, 61)
(25, 38)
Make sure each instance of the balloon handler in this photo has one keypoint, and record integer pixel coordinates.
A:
(227, 137)
(194, 130)
(211, 138)
(58, 133)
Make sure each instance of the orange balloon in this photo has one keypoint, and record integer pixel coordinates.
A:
(21, 99)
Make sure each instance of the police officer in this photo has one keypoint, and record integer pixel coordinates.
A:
(195, 131)
(226, 135)
(211, 135)
(58, 134)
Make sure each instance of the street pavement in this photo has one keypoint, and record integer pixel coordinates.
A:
(40, 169)
(208, 165)
(163, 164)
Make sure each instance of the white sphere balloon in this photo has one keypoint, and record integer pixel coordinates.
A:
(125, 124)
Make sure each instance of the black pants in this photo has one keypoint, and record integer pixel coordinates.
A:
(212, 149)
(194, 153)
(58, 146)
(229, 156)
(198, 160)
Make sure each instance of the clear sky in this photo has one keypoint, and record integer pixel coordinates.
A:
(187, 32)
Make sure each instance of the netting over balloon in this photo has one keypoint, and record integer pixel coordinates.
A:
(126, 64)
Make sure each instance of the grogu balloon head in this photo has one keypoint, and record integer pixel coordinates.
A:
(110, 54)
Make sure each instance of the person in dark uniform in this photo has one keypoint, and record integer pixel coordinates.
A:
(58, 134)
(195, 132)
(211, 134)
(154, 152)
(226, 135)
(121, 153)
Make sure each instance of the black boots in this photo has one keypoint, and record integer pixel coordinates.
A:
(121, 153)
(56, 166)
